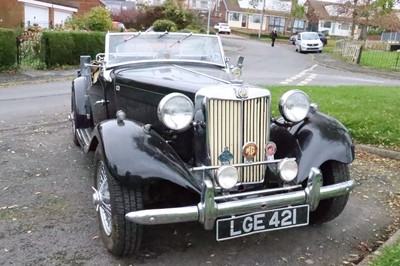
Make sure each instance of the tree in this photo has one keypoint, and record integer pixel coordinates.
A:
(97, 19)
(296, 12)
(376, 13)
(145, 15)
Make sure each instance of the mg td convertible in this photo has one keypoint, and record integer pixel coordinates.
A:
(178, 137)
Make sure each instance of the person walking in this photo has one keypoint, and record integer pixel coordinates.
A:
(273, 35)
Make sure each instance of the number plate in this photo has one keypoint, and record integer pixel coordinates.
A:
(262, 221)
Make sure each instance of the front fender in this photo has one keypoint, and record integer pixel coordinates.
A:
(80, 103)
(135, 154)
(318, 139)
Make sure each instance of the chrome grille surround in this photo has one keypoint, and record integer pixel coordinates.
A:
(232, 122)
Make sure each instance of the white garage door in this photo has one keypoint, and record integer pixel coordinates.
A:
(36, 15)
(60, 16)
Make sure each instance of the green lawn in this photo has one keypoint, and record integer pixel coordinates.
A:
(372, 114)
(381, 60)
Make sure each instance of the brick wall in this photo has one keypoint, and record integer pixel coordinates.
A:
(12, 11)
(86, 5)
(11, 14)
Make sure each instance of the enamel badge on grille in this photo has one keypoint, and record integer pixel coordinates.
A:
(225, 157)
(270, 150)
(249, 151)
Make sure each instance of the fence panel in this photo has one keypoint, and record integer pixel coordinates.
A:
(389, 60)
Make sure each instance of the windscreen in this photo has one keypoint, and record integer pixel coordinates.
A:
(131, 47)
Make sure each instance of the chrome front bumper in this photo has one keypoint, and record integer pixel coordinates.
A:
(208, 210)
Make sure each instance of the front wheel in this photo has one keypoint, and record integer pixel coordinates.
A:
(113, 200)
(332, 173)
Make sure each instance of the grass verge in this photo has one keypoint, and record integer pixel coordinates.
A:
(390, 256)
(370, 113)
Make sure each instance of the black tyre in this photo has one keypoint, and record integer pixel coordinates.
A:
(120, 236)
(332, 173)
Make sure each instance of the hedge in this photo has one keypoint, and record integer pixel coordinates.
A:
(8, 48)
(65, 48)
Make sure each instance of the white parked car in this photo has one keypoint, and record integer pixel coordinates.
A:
(308, 42)
(222, 28)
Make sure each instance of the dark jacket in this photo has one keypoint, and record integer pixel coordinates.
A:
(274, 34)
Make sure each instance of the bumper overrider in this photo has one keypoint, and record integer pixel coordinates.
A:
(209, 209)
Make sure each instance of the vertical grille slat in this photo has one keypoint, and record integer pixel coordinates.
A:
(232, 123)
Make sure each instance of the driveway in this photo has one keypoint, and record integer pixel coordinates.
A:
(47, 216)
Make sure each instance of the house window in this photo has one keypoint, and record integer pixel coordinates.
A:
(345, 26)
(327, 24)
(204, 4)
(298, 25)
(234, 16)
(278, 23)
(256, 18)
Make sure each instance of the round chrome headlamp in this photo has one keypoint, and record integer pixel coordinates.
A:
(176, 111)
(227, 176)
(294, 105)
(288, 169)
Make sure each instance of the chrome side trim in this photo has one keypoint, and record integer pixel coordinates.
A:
(208, 210)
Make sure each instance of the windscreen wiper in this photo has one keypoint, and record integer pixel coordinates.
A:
(130, 38)
(181, 40)
(162, 35)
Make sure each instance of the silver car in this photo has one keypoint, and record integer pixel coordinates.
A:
(308, 42)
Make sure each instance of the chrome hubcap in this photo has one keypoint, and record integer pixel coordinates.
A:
(101, 199)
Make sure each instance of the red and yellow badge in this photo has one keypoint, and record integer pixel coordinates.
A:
(249, 150)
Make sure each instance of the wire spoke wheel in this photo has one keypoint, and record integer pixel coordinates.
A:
(113, 201)
(104, 198)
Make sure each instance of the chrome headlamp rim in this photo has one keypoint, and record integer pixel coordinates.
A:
(167, 117)
(288, 169)
(236, 72)
(291, 108)
(227, 177)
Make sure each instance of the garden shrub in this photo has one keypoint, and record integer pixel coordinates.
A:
(65, 48)
(164, 25)
(8, 49)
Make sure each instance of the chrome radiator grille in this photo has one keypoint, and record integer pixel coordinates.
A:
(231, 124)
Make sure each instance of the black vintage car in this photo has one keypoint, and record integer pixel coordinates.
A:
(178, 137)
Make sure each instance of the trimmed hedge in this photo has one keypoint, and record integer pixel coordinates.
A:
(8, 48)
(65, 48)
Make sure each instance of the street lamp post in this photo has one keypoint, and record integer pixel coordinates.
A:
(209, 17)
(262, 19)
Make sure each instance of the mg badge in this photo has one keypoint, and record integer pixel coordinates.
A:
(249, 151)
(242, 92)
(225, 157)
